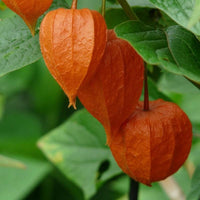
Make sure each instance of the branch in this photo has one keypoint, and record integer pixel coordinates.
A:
(127, 9)
(134, 189)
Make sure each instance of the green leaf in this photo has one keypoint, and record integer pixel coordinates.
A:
(2, 100)
(135, 3)
(155, 92)
(49, 103)
(194, 153)
(113, 189)
(19, 132)
(59, 3)
(93, 5)
(181, 12)
(6, 13)
(17, 47)
(16, 81)
(112, 1)
(190, 104)
(195, 15)
(10, 162)
(15, 184)
(194, 191)
(154, 192)
(183, 179)
(115, 16)
(185, 49)
(176, 49)
(77, 148)
(182, 92)
(140, 3)
(173, 84)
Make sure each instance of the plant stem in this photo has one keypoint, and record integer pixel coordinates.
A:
(74, 4)
(146, 91)
(194, 83)
(103, 8)
(134, 189)
(127, 9)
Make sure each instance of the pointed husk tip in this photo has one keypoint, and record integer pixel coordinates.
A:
(31, 27)
(72, 102)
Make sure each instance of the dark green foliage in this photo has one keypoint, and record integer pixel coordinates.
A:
(65, 153)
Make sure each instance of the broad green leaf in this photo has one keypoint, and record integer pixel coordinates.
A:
(185, 49)
(6, 13)
(190, 104)
(180, 11)
(115, 16)
(154, 92)
(149, 42)
(114, 189)
(15, 184)
(195, 15)
(59, 3)
(10, 162)
(94, 5)
(46, 94)
(112, 1)
(175, 49)
(173, 84)
(140, 3)
(154, 192)
(17, 47)
(19, 132)
(77, 148)
(16, 81)
(194, 153)
(135, 3)
(182, 92)
(183, 180)
(2, 101)
(195, 185)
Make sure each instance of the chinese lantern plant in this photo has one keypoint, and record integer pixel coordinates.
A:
(154, 142)
(29, 10)
(113, 92)
(72, 43)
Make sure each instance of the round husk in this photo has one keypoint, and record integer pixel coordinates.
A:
(154, 144)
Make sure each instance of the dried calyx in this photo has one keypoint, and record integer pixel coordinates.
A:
(112, 94)
(153, 145)
(72, 43)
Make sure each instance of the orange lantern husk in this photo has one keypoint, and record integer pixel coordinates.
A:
(72, 43)
(112, 94)
(29, 10)
(154, 144)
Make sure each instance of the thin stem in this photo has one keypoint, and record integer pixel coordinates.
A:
(194, 83)
(103, 8)
(146, 91)
(74, 4)
(127, 9)
(134, 189)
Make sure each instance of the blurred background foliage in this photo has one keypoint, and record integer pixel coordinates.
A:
(48, 151)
